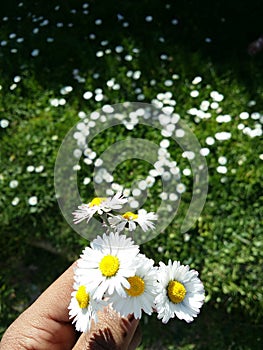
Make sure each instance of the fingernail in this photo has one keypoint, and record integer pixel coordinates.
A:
(131, 317)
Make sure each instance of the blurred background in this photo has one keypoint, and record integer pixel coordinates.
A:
(62, 60)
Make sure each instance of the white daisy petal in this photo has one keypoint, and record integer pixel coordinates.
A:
(130, 219)
(180, 292)
(107, 263)
(98, 205)
(141, 293)
(83, 307)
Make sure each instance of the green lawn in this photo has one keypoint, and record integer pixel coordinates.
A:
(59, 62)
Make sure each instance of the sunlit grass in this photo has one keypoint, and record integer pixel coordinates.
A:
(62, 61)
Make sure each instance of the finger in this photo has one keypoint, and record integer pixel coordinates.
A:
(53, 302)
(132, 327)
(110, 332)
(45, 324)
(136, 339)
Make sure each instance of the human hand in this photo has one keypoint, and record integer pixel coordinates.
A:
(46, 325)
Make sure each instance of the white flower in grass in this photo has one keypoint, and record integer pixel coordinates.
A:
(107, 264)
(142, 292)
(83, 307)
(131, 220)
(181, 293)
(98, 205)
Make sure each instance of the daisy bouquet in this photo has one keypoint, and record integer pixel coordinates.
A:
(112, 272)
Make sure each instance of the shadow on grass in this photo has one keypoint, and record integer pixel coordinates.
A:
(213, 329)
(219, 32)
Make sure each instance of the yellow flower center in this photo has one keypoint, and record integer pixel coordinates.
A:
(96, 201)
(109, 265)
(137, 286)
(82, 297)
(129, 216)
(176, 292)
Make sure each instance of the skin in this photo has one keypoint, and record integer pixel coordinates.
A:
(45, 325)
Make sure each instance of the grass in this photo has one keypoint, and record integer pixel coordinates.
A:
(210, 40)
(214, 328)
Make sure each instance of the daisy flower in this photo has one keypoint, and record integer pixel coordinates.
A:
(107, 264)
(142, 291)
(98, 205)
(181, 293)
(130, 220)
(83, 307)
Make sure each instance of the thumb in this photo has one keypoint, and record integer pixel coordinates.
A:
(111, 332)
